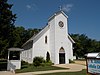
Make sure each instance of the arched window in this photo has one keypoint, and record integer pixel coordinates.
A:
(61, 50)
(47, 57)
(45, 39)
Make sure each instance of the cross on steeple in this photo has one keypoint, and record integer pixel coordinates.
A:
(60, 8)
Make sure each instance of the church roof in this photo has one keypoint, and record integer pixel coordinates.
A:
(15, 49)
(57, 13)
(71, 39)
(36, 37)
(93, 55)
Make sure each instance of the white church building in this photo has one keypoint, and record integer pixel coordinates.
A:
(54, 39)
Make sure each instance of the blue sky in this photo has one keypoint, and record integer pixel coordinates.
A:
(84, 15)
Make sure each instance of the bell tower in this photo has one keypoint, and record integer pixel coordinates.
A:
(58, 34)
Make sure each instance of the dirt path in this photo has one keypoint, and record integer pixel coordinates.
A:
(81, 62)
(6, 73)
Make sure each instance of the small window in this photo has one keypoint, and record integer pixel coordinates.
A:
(14, 55)
(46, 39)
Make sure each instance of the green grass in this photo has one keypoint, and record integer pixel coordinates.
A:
(31, 68)
(25, 67)
(83, 72)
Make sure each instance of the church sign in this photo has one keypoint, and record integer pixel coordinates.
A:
(93, 63)
(93, 66)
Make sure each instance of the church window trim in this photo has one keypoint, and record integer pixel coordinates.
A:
(61, 50)
(61, 24)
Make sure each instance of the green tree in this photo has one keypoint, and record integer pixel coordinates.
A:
(84, 45)
(7, 19)
(18, 35)
(27, 34)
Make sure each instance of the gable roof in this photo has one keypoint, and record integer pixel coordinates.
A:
(71, 39)
(57, 13)
(15, 49)
(34, 38)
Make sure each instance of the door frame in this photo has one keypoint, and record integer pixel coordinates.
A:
(62, 56)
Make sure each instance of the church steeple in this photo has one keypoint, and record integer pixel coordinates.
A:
(57, 13)
(60, 8)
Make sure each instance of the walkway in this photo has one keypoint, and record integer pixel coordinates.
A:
(6, 73)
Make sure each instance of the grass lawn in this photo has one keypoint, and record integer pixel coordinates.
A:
(83, 72)
(31, 68)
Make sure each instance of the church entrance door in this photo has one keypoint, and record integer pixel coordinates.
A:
(61, 56)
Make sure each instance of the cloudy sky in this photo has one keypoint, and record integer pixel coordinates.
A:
(84, 15)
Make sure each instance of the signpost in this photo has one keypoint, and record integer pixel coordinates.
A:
(93, 64)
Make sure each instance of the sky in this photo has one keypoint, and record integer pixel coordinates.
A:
(83, 15)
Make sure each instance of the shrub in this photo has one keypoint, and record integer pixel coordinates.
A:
(38, 61)
(48, 63)
(24, 64)
(70, 61)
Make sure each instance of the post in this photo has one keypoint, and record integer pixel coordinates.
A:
(8, 54)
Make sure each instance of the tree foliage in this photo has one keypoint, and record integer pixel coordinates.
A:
(84, 45)
(37, 61)
(7, 19)
(11, 36)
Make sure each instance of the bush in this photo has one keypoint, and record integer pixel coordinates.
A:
(49, 63)
(38, 61)
(24, 64)
(70, 61)
(3, 65)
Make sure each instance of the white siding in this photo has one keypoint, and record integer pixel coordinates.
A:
(27, 55)
(14, 64)
(70, 50)
(52, 39)
(60, 37)
(40, 48)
